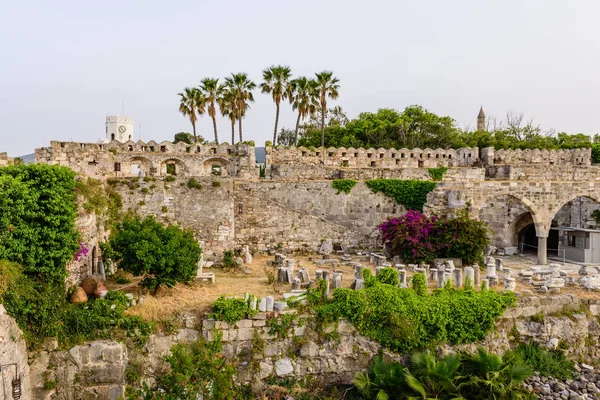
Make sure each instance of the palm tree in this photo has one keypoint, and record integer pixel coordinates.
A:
(327, 86)
(277, 84)
(227, 105)
(382, 381)
(431, 377)
(488, 376)
(210, 90)
(304, 99)
(191, 105)
(242, 87)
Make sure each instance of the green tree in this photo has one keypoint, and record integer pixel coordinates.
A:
(461, 237)
(277, 84)
(327, 86)
(183, 137)
(286, 137)
(228, 106)
(191, 105)
(242, 86)
(304, 100)
(211, 91)
(162, 255)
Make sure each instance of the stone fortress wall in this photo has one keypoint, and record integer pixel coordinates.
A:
(6, 160)
(132, 159)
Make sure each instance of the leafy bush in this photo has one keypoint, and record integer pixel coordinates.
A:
(401, 320)
(551, 363)
(437, 174)
(162, 255)
(411, 236)
(461, 237)
(419, 284)
(481, 375)
(596, 153)
(197, 370)
(228, 259)
(170, 178)
(262, 171)
(419, 238)
(388, 276)
(38, 219)
(41, 311)
(230, 310)
(412, 194)
(343, 185)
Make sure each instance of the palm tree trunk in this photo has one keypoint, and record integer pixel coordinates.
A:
(240, 128)
(194, 129)
(297, 128)
(276, 123)
(232, 131)
(214, 118)
(322, 126)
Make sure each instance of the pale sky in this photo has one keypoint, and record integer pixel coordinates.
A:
(65, 65)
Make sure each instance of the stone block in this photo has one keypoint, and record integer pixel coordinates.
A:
(245, 334)
(244, 323)
(283, 367)
(259, 322)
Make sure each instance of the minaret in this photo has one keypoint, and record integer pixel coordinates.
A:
(481, 120)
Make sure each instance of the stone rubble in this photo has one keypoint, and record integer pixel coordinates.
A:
(585, 385)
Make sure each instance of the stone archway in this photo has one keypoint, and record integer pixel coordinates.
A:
(217, 166)
(138, 166)
(172, 166)
(94, 261)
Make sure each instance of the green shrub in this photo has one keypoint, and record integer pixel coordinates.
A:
(401, 320)
(419, 284)
(162, 255)
(461, 237)
(228, 259)
(164, 209)
(437, 174)
(216, 183)
(170, 178)
(193, 184)
(412, 194)
(197, 371)
(596, 153)
(230, 310)
(343, 185)
(37, 221)
(262, 171)
(120, 278)
(551, 363)
(388, 276)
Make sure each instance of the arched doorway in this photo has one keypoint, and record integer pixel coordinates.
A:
(94, 261)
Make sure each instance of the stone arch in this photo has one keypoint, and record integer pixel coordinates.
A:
(508, 218)
(138, 165)
(540, 226)
(561, 203)
(216, 166)
(173, 166)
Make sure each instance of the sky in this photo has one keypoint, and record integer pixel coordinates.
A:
(66, 65)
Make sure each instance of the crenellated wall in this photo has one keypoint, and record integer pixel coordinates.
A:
(372, 158)
(581, 157)
(131, 159)
(6, 160)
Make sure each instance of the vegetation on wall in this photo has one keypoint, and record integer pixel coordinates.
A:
(419, 238)
(37, 219)
(197, 370)
(437, 174)
(402, 321)
(230, 310)
(343, 185)
(412, 194)
(162, 255)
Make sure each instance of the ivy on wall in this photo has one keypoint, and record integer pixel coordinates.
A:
(412, 194)
(437, 174)
(343, 185)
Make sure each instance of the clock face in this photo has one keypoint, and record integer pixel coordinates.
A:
(122, 129)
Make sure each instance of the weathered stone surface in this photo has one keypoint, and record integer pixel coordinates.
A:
(283, 367)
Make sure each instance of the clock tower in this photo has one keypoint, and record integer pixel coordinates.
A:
(119, 128)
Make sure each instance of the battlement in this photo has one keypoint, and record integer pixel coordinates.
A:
(130, 159)
(6, 160)
(581, 157)
(373, 158)
(119, 118)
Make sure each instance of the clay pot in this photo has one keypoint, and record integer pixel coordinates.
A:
(100, 291)
(89, 285)
(79, 296)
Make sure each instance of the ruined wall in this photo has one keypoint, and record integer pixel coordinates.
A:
(6, 160)
(546, 173)
(92, 234)
(537, 157)
(505, 217)
(302, 215)
(320, 172)
(133, 159)
(372, 158)
(97, 368)
(13, 350)
(208, 210)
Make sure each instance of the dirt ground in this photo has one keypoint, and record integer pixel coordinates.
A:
(200, 295)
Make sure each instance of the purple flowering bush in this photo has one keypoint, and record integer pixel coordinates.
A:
(82, 252)
(418, 238)
(410, 236)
